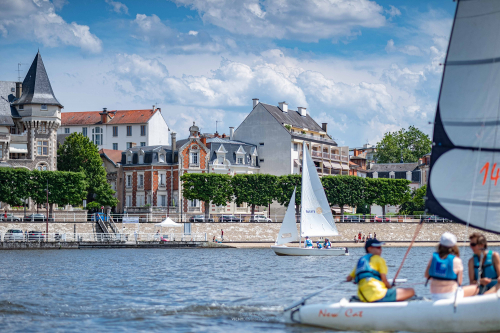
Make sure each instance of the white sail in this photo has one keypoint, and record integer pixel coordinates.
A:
(315, 215)
(464, 179)
(288, 231)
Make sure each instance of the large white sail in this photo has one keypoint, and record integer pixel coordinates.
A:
(464, 181)
(315, 215)
(288, 231)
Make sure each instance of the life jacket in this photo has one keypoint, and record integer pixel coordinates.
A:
(442, 269)
(487, 270)
(320, 246)
(328, 245)
(364, 270)
(309, 243)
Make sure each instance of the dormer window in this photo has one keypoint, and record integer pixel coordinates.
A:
(43, 107)
(129, 158)
(21, 107)
(161, 158)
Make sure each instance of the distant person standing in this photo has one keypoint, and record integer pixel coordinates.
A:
(355, 238)
(364, 238)
(375, 235)
(5, 215)
(221, 235)
(359, 237)
(370, 235)
(213, 239)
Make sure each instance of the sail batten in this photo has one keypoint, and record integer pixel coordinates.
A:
(464, 177)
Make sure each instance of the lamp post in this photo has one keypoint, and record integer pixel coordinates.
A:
(47, 222)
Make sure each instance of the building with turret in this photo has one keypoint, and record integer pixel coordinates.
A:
(30, 115)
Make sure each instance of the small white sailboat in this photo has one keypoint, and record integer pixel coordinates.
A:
(462, 182)
(316, 219)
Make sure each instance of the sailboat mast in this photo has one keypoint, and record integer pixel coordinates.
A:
(302, 187)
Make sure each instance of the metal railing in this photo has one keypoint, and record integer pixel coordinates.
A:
(104, 237)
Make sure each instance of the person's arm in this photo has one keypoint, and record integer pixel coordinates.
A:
(351, 276)
(472, 280)
(427, 269)
(384, 280)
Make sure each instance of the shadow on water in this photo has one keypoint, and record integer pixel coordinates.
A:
(182, 290)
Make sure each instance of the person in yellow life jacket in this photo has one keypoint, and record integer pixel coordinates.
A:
(371, 276)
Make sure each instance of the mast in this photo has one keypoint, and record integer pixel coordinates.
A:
(302, 188)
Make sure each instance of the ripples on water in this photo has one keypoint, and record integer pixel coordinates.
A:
(191, 290)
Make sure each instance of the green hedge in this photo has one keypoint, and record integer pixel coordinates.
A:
(418, 212)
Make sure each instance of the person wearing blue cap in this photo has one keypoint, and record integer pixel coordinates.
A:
(370, 274)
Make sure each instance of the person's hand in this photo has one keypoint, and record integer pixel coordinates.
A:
(484, 281)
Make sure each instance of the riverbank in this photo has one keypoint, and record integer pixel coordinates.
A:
(249, 245)
(108, 245)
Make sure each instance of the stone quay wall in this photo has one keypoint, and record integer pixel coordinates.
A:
(267, 232)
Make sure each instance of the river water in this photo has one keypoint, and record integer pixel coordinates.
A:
(179, 290)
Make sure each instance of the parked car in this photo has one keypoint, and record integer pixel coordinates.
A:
(380, 219)
(36, 236)
(260, 218)
(351, 218)
(37, 217)
(229, 218)
(10, 217)
(434, 218)
(199, 218)
(13, 235)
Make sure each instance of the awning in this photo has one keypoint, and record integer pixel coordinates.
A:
(335, 165)
(327, 164)
(20, 148)
(297, 162)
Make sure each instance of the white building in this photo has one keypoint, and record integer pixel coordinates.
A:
(279, 134)
(117, 130)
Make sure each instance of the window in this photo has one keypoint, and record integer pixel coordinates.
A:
(161, 158)
(97, 136)
(261, 160)
(141, 180)
(115, 130)
(115, 146)
(240, 160)
(42, 167)
(193, 158)
(129, 145)
(129, 130)
(163, 200)
(143, 130)
(129, 159)
(129, 181)
(141, 159)
(66, 130)
(43, 148)
(261, 143)
(295, 147)
(162, 179)
(43, 107)
(1, 151)
(220, 159)
(129, 200)
(21, 107)
(194, 203)
(84, 131)
(143, 144)
(140, 200)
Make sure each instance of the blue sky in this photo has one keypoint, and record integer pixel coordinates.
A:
(364, 67)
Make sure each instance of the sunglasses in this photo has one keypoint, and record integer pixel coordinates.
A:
(473, 244)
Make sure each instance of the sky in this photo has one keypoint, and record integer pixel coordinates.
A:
(364, 67)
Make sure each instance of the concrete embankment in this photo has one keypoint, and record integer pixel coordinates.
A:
(107, 245)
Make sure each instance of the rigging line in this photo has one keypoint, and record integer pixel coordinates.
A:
(417, 230)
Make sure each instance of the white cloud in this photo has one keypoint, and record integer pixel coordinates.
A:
(305, 20)
(393, 11)
(38, 21)
(390, 46)
(407, 49)
(403, 78)
(118, 7)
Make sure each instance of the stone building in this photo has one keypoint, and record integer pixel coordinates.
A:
(30, 115)
(111, 160)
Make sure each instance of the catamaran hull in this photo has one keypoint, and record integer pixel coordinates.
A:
(299, 251)
(473, 314)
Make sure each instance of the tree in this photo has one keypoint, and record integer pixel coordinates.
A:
(79, 154)
(409, 145)
(207, 187)
(383, 191)
(344, 190)
(15, 185)
(284, 189)
(416, 203)
(254, 189)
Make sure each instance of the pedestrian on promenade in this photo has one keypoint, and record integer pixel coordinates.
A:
(213, 240)
(359, 237)
(355, 238)
(221, 235)
(374, 235)
(364, 238)
(370, 235)
(5, 215)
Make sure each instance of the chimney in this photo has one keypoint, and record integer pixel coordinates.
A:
(204, 140)
(255, 102)
(133, 144)
(231, 133)
(324, 126)
(302, 111)
(104, 115)
(283, 106)
(174, 141)
(223, 135)
(19, 89)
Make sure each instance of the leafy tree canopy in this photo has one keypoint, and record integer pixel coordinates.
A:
(383, 191)
(417, 201)
(410, 145)
(79, 154)
(254, 189)
(344, 190)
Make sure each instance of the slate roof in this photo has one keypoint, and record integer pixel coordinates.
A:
(293, 118)
(232, 146)
(118, 117)
(150, 155)
(388, 167)
(114, 156)
(36, 85)
(6, 110)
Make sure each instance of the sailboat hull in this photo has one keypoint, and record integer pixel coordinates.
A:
(472, 314)
(299, 251)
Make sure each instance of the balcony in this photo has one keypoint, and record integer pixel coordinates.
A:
(162, 185)
(315, 138)
(194, 209)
